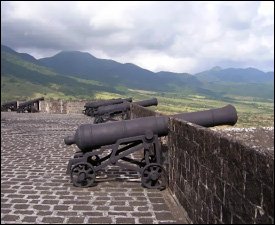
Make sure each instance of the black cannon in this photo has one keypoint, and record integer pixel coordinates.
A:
(122, 138)
(90, 107)
(12, 106)
(107, 113)
(226, 115)
(30, 106)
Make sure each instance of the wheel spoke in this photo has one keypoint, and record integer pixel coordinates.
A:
(152, 175)
(153, 183)
(146, 173)
(83, 175)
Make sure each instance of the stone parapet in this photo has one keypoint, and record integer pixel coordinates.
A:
(62, 106)
(217, 176)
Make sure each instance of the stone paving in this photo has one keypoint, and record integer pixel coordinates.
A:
(36, 189)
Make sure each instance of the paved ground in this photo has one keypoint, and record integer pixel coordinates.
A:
(35, 188)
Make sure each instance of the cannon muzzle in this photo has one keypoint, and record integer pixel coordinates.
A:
(148, 102)
(226, 115)
(69, 140)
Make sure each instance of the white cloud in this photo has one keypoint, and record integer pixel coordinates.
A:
(266, 9)
(171, 36)
(156, 61)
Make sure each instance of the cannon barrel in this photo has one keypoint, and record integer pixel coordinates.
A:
(93, 136)
(107, 102)
(110, 109)
(148, 102)
(226, 115)
(9, 105)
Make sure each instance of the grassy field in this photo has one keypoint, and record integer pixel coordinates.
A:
(252, 112)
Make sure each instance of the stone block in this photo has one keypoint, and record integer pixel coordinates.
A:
(224, 147)
(217, 206)
(268, 199)
(253, 189)
(248, 158)
(226, 215)
(265, 169)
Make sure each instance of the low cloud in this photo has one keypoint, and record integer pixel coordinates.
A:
(170, 36)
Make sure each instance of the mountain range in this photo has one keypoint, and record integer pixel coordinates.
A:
(78, 74)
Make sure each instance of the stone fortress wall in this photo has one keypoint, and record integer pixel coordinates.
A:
(62, 106)
(215, 175)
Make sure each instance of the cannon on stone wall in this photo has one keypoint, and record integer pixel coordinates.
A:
(91, 107)
(30, 106)
(108, 113)
(122, 138)
(12, 106)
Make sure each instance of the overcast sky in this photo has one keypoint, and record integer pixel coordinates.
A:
(170, 36)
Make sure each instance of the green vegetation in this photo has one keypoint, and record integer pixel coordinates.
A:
(23, 79)
(25, 64)
(227, 89)
(252, 112)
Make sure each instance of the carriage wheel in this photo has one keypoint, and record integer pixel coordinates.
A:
(83, 175)
(153, 176)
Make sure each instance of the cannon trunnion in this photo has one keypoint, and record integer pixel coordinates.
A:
(112, 143)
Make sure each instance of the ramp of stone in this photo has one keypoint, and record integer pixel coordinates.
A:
(36, 189)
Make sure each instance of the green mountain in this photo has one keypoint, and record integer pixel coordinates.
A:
(214, 83)
(84, 65)
(238, 82)
(236, 75)
(23, 77)
(75, 74)
(23, 56)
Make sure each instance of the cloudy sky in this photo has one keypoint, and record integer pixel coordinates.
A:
(170, 36)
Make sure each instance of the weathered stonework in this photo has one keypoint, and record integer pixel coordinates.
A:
(61, 106)
(138, 111)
